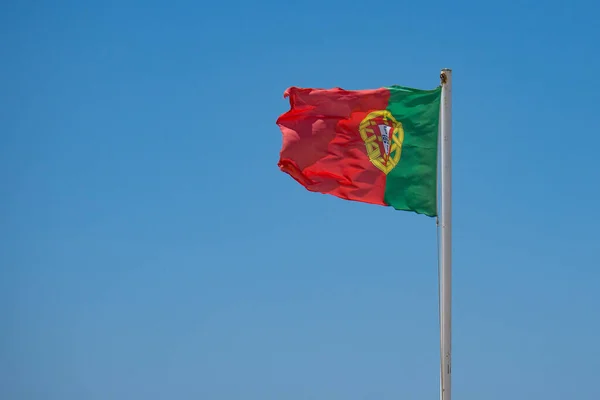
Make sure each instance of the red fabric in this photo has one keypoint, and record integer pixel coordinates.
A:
(322, 148)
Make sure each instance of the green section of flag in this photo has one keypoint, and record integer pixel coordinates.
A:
(411, 185)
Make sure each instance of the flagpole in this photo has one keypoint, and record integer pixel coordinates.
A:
(445, 267)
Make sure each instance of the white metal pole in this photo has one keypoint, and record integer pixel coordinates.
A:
(445, 275)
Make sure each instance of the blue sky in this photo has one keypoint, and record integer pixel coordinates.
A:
(151, 249)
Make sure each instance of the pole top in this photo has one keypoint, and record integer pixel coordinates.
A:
(444, 75)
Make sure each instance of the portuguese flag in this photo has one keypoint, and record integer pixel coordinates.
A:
(374, 146)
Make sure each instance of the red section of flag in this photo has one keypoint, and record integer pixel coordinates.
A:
(322, 148)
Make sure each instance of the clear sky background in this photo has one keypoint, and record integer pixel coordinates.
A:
(151, 249)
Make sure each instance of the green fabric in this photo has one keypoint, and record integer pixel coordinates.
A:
(411, 185)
